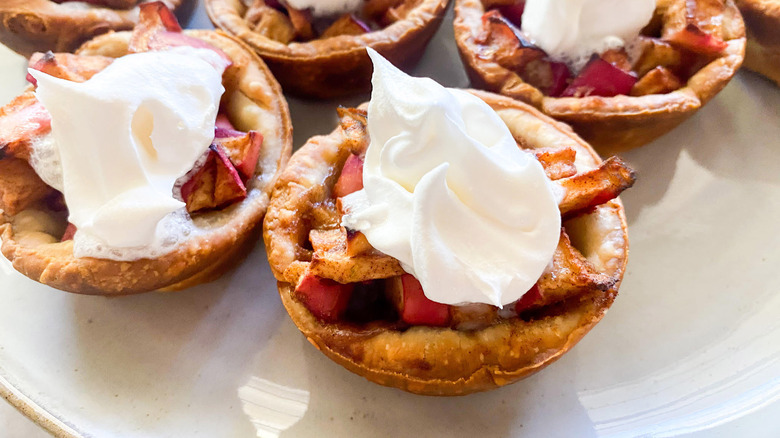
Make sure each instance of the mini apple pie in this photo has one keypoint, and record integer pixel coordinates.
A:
(624, 95)
(762, 21)
(321, 53)
(363, 309)
(29, 26)
(220, 201)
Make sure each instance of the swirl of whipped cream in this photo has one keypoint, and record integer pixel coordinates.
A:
(448, 192)
(572, 30)
(121, 140)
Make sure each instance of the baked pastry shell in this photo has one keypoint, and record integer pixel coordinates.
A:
(28, 26)
(253, 100)
(609, 124)
(762, 21)
(442, 361)
(336, 66)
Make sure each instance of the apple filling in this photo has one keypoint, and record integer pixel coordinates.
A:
(675, 45)
(346, 280)
(278, 20)
(217, 180)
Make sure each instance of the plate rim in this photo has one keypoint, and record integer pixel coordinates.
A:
(32, 410)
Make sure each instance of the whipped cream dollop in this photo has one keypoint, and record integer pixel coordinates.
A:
(121, 139)
(324, 8)
(572, 30)
(448, 192)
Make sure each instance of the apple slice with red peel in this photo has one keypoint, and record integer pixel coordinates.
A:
(586, 190)
(692, 38)
(198, 191)
(215, 184)
(229, 187)
(70, 231)
(224, 128)
(153, 18)
(412, 304)
(326, 299)
(528, 299)
(560, 78)
(695, 25)
(75, 68)
(351, 178)
(347, 24)
(514, 13)
(158, 29)
(23, 119)
(224, 123)
(550, 77)
(242, 149)
(600, 78)
(513, 50)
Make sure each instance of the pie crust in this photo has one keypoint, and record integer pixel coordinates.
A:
(609, 124)
(443, 361)
(762, 21)
(253, 101)
(29, 26)
(336, 66)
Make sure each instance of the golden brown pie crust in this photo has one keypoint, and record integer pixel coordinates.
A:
(442, 361)
(609, 124)
(29, 26)
(253, 101)
(762, 21)
(336, 66)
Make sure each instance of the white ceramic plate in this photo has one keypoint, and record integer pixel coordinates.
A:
(693, 340)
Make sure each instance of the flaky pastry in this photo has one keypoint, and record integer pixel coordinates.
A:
(474, 348)
(620, 122)
(28, 26)
(252, 101)
(333, 66)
